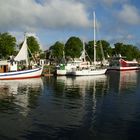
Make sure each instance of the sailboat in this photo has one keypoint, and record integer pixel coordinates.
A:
(93, 69)
(9, 69)
(68, 68)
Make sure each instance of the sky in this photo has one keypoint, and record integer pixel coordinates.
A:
(58, 20)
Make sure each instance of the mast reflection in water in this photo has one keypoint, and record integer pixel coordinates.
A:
(89, 107)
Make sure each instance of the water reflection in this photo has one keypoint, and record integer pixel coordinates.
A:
(128, 80)
(88, 105)
(19, 92)
(83, 107)
(81, 83)
(125, 80)
(72, 102)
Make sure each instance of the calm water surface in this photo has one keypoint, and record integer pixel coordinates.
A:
(71, 108)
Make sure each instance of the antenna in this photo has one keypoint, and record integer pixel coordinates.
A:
(94, 24)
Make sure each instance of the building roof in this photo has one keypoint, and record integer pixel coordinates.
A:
(3, 62)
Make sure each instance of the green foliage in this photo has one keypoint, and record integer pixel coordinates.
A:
(102, 48)
(73, 47)
(42, 55)
(57, 51)
(7, 45)
(90, 49)
(127, 50)
(33, 45)
(119, 48)
(105, 47)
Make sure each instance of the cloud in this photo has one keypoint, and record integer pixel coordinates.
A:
(109, 2)
(113, 2)
(65, 13)
(31, 15)
(129, 14)
(126, 38)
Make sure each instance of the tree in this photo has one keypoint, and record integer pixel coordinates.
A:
(7, 45)
(102, 48)
(73, 47)
(127, 50)
(42, 54)
(119, 48)
(33, 45)
(89, 49)
(131, 52)
(136, 52)
(57, 51)
(105, 47)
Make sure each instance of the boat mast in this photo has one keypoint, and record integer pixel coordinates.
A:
(84, 51)
(64, 56)
(27, 59)
(94, 22)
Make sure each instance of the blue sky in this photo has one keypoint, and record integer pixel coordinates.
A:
(58, 20)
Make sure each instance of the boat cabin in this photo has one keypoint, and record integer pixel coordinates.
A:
(6, 66)
(121, 62)
(3, 66)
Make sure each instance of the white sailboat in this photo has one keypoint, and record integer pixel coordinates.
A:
(69, 67)
(93, 69)
(9, 69)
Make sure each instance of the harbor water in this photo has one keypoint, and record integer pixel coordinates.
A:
(105, 107)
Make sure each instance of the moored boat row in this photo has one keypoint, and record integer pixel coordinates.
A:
(117, 63)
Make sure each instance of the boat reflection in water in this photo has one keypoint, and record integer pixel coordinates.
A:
(81, 80)
(19, 92)
(82, 83)
(84, 107)
(125, 80)
(79, 98)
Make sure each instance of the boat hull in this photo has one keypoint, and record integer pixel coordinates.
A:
(119, 64)
(61, 72)
(123, 68)
(89, 72)
(24, 74)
